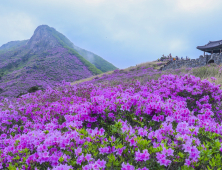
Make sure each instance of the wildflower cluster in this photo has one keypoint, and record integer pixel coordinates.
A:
(169, 123)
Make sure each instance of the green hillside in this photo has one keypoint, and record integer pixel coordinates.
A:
(95, 63)
(96, 60)
(68, 45)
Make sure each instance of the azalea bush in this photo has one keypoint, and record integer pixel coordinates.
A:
(173, 122)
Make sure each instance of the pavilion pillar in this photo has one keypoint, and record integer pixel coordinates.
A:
(212, 52)
(220, 51)
(204, 53)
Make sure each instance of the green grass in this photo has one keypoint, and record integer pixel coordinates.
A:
(206, 71)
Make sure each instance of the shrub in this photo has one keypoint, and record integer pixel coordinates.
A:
(33, 89)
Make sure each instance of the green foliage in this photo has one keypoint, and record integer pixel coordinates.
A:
(143, 143)
(186, 168)
(16, 142)
(61, 159)
(20, 94)
(61, 119)
(11, 167)
(30, 90)
(46, 132)
(210, 156)
(33, 89)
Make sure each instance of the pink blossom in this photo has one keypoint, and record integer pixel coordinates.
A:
(127, 166)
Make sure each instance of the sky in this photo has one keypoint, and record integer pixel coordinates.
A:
(123, 32)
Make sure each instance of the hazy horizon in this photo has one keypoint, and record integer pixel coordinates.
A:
(125, 33)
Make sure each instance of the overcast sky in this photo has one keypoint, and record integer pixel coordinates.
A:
(123, 32)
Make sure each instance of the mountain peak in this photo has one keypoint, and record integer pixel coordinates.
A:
(46, 58)
(43, 38)
(44, 27)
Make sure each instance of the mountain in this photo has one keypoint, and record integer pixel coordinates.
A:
(46, 59)
(12, 45)
(96, 60)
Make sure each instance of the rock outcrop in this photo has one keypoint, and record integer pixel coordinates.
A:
(201, 61)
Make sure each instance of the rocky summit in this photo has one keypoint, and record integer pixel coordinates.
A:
(46, 59)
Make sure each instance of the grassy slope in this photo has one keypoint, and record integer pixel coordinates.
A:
(15, 65)
(68, 45)
(147, 64)
(205, 72)
(98, 61)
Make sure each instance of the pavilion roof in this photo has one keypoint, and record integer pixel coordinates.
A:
(212, 45)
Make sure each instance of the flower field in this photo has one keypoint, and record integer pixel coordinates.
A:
(157, 122)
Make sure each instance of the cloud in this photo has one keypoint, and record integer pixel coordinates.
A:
(16, 27)
(197, 6)
(94, 1)
(127, 30)
(177, 45)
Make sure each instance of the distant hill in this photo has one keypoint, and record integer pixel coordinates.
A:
(12, 45)
(47, 58)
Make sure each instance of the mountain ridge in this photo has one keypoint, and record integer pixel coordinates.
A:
(12, 45)
(47, 58)
(96, 60)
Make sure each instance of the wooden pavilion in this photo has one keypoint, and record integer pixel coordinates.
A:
(211, 47)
